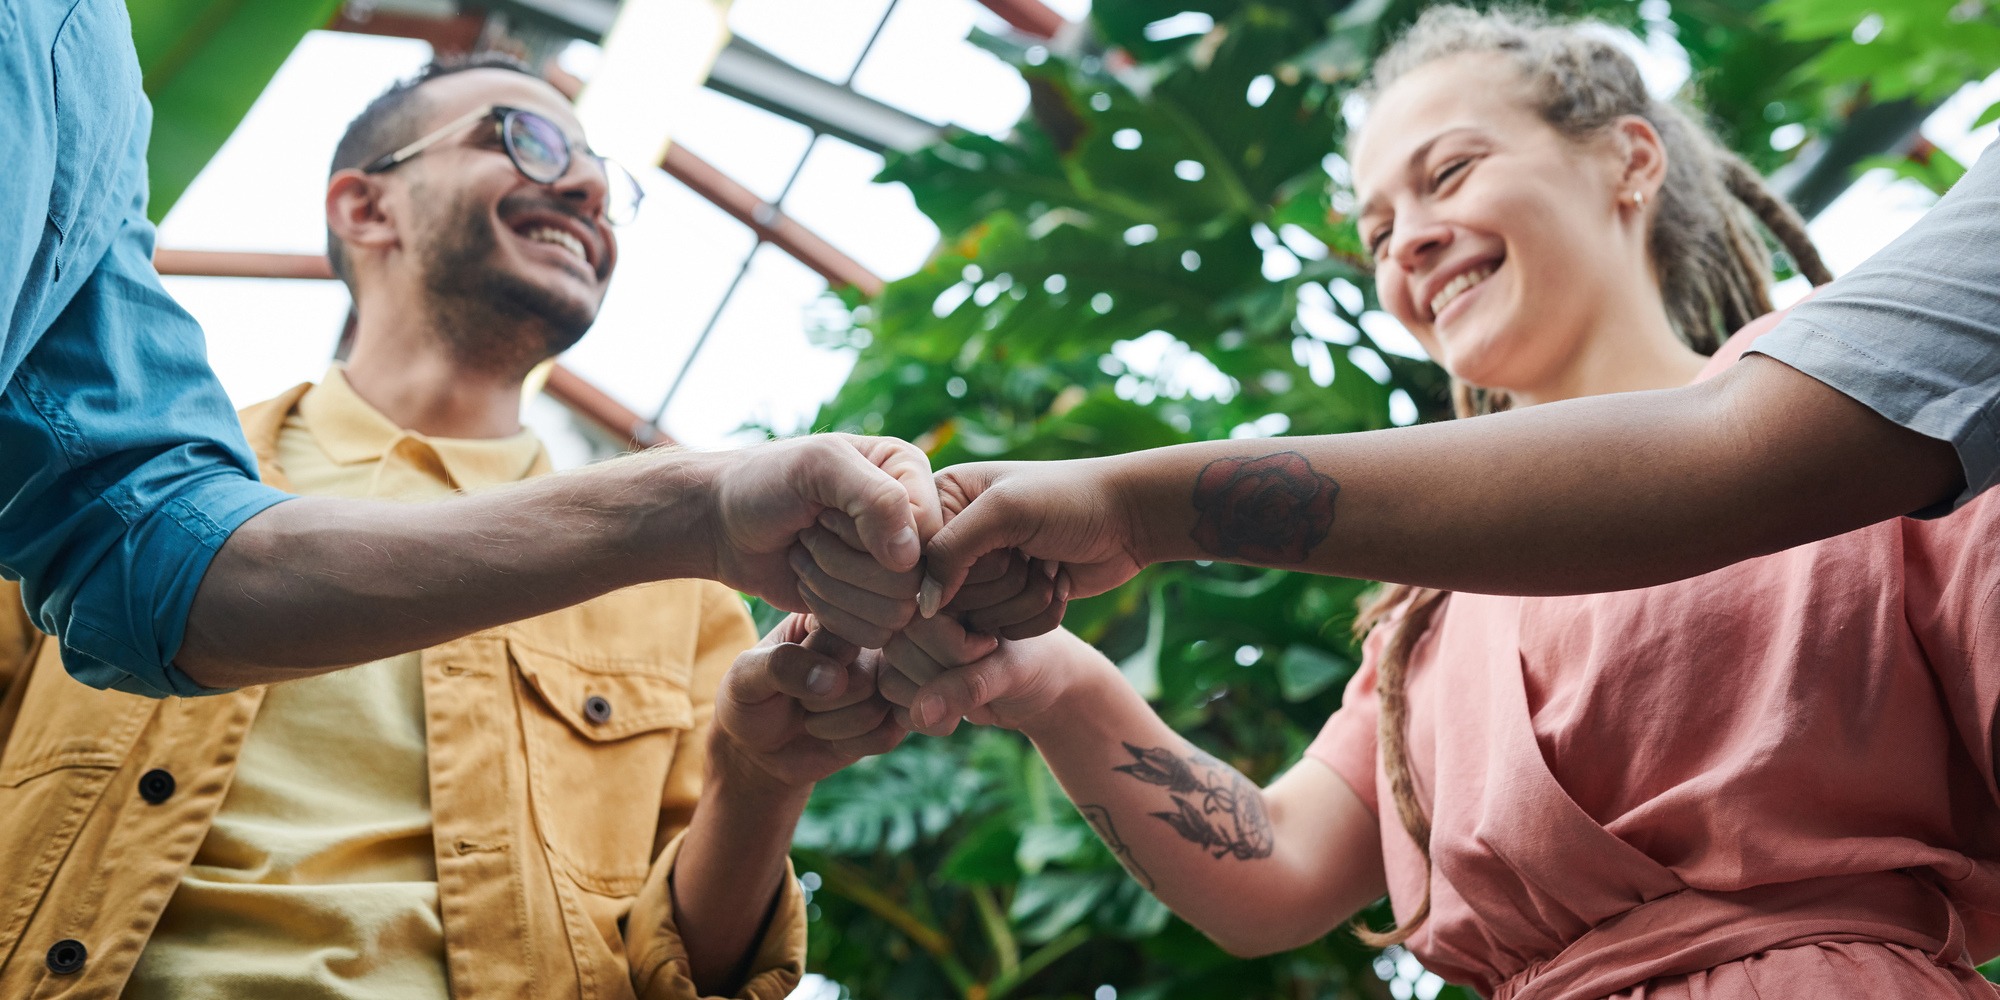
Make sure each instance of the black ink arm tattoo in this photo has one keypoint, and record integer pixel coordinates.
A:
(1099, 819)
(1272, 510)
(1214, 806)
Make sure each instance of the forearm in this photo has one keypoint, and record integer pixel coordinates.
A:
(318, 583)
(1226, 856)
(731, 867)
(1606, 493)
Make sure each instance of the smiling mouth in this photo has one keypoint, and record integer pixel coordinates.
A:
(1459, 286)
(559, 238)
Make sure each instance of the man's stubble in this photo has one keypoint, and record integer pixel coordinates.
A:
(490, 318)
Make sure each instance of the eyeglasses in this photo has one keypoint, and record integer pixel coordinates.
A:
(539, 150)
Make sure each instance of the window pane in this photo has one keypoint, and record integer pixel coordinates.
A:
(758, 366)
(752, 146)
(266, 188)
(674, 264)
(822, 37)
(924, 65)
(876, 224)
(265, 335)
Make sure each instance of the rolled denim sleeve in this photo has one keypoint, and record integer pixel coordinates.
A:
(122, 466)
(1914, 332)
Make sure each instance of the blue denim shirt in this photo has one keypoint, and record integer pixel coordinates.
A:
(122, 466)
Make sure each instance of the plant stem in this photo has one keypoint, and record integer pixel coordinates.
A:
(843, 879)
(995, 922)
(1036, 962)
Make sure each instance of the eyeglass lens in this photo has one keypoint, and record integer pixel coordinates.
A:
(542, 152)
(539, 147)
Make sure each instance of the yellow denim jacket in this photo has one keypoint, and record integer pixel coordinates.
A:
(552, 853)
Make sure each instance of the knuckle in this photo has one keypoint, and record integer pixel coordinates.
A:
(978, 686)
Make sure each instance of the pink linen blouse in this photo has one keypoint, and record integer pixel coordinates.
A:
(1776, 779)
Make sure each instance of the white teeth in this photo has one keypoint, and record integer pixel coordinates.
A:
(1456, 287)
(562, 239)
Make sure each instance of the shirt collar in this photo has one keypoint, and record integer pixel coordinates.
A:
(351, 431)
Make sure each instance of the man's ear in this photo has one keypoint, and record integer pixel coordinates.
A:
(1643, 155)
(355, 212)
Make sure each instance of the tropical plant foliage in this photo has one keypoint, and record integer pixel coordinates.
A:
(1160, 253)
(203, 63)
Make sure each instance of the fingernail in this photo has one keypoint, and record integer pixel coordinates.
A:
(930, 709)
(1049, 567)
(907, 539)
(828, 521)
(819, 680)
(929, 596)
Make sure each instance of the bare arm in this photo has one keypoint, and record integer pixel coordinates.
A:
(791, 711)
(1257, 870)
(317, 583)
(1606, 493)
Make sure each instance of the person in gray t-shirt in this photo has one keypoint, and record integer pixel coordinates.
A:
(1877, 398)
(1914, 332)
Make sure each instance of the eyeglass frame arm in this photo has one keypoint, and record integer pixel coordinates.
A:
(403, 155)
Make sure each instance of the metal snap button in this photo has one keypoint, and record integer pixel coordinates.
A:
(597, 709)
(156, 786)
(66, 957)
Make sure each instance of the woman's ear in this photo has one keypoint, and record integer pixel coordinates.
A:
(1643, 156)
(355, 212)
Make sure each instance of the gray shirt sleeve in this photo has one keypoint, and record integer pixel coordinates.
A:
(1914, 332)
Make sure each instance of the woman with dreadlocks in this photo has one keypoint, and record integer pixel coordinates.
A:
(1776, 779)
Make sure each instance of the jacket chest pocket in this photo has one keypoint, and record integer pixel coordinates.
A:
(601, 738)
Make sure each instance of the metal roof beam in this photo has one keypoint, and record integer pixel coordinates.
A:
(1029, 17)
(756, 77)
(564, 386)
(769, 223)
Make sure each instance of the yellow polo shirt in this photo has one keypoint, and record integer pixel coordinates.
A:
(317, 878)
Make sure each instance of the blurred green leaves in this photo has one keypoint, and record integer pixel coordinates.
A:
(1127, 270)
(1161, 252)
(204, 63)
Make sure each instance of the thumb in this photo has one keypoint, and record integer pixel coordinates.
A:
(983, 526)
(877, 501)
(775, 676)
(954, 694)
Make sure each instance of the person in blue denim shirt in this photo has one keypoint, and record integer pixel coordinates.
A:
(129, 507)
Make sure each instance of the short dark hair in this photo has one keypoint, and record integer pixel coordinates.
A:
(389, 122)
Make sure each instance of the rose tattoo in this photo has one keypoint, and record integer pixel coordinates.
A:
(1271, 510)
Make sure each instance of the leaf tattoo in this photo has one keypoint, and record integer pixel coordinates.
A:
(1214, 806)
(1156, 766)
(1099, 819)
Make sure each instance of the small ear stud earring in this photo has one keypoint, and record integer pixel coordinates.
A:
(1638, 199)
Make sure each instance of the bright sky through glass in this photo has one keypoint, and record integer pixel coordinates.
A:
(263, 192)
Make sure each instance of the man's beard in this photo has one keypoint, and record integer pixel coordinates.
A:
(492, 319)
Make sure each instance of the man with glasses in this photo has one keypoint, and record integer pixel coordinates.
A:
(129, 510)
(592, 801)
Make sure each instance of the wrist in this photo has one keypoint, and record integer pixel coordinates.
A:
(670, 498)
(1136, 491)
(1081, 698)
(736, 776)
